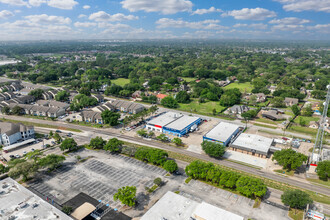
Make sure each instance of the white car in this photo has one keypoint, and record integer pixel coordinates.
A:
(128, 129)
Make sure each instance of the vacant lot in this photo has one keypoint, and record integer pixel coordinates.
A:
(201, 108)
(120, 81)
(243, 87)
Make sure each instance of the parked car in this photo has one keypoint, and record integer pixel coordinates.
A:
(11, 156)
(128, 129)
(24, 153)
(58, 131)
(17, 156)
(32, 149)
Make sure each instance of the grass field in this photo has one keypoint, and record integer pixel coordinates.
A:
(307, 119)
(296, 214)
(120, 81)
(304, 130)
(320, 182)
(241, 86)
(266, 126)
(202, 108)
(268, 121)
(189, 79)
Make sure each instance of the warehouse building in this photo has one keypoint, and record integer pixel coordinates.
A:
(174, 124)
(223, 133)
(252, 144)
(174, 206)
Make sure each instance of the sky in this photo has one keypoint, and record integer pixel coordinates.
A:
(164, 19)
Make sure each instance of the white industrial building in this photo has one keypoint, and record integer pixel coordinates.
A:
(252, 144)
(223, 133)
(174, 123)
(17, 202)
(174, 206)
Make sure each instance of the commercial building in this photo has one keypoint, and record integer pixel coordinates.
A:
(12, 133)
(174, 123)
(252, 144)
(17, 202)
(223, 133)
(174, 206)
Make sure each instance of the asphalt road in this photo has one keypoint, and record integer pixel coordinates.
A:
(110, 132)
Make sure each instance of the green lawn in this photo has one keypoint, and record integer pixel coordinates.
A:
(263, 125)
(318, 181)
(243, 87)
(120, 81)
(307, 119)
(296, 214)
(304, 130)
(268, 121)
(189, 79)
(201, 108)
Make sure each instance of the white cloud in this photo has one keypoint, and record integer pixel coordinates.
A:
(206, 11)
(86, 7)
(46, 19)
(84, 24)
(14, 2)
(4, 14)
(17, 11)
(305, 5)
(250, 14)
(172, 23)
(82, 16)
(103, 16)
(259, 26)
(36, 3)
(62, 4)
(288, 27)
(289, 20)
(322, 28)
(165, 7)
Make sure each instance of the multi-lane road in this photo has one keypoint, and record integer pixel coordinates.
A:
(116, 133)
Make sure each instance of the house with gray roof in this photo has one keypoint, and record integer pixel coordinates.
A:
(92, 117)
(11, 133)
(291, 101)
(126, 106)
(239, 109)
(98, 97)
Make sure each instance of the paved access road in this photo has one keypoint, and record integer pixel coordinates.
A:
(116, 133)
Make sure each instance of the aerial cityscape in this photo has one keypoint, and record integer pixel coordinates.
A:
(164, 110)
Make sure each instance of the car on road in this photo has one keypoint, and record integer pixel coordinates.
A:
(69, 134)
(17, 156)
(11, 156)
(24, 153)
(53, 143)
(128, 129)
(58, 131)
(32, 149)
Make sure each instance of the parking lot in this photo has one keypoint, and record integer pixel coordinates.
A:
(97, 177)
(25, 149)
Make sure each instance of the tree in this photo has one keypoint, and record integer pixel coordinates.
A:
(170, 166)
(296, 199)
(251, 187)
(17, 110)
(111, 118)
(97, 143)
(155, 156)
(278, 102)
(85, 91)
(162, 137)
(5, 110)
(323, 170)
(57, 138)
(52, 161)
(248, 115)
(158, 181)
(37, 93)
(302, 121)
(230, 97)
(169, 102)
(3, 169)
(62, 96)
(253, 100)
(289, 159)
(68, 144)
(25, 169)
(177, 141)
(307, 111)
(213, 149)
(182, 97)
(295, 110)
(142, 133)
(67, 210)
(113, 145)
(127, 195)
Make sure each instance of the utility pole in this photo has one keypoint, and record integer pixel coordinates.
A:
(320, 132)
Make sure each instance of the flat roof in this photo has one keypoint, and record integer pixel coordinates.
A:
(13, 146)
(222, 132)
(182, 122)
(17, 201)
(173, 206)
(209, 212)
(253, 142)
(165, 119)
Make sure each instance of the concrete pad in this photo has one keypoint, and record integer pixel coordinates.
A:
(245, 158)
(195, 149)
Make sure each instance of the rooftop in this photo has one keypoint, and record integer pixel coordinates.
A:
(176, 207)
(182, 122)
(222, 131)
(253, 142)
(165, 119)
(20, 203)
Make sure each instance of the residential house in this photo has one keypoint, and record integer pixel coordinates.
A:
(98, 97)
(239, 109)
(272, 114)
(6, 96)
(261, 97)
(303, 90)
(137, 94)
(160, 97)
(105, 106)
(53, 103)
(184, 87)
(92, 117)
(291, 101)
(126, 106)
(272, 88)
(27, 99)
(11, 133)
